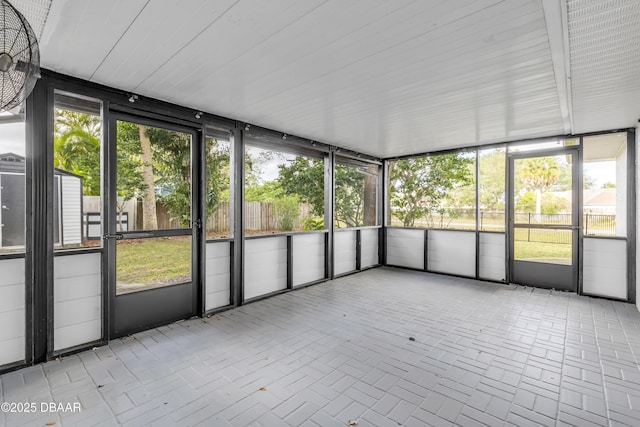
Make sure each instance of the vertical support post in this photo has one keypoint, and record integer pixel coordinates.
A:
(109, 220)
(358, 249)
(631, 216)
(199, 218)
(426, 250)
(576, 217)
(329, 208)
(477, 213)
(237, 223)
(289, 261)
(508, 219)
(326, 255)
(586, 224)
(382, 235)
(39, 223)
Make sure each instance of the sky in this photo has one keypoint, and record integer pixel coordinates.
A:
(12, 138)
(268, 165)
(601, 172)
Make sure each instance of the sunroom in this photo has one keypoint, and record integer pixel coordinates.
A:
(435, 200)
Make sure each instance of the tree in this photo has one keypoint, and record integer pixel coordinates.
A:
(218, 163)
(286, 206)
(355, 189)
(349, 195)
(553, 204)
(588, 182)
(492, 180)
(539, 175)
(76, 147)
(172, 172)
(149, 219)
(129, 182)
(304, 177)
(370, 199)
(420, 186)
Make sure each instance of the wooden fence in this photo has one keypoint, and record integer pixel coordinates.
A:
(259, 216)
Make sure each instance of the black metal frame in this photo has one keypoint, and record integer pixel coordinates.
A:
(578, 177)
(237, 197)
(576, 208)
(39, 230)
(329, 210)
(123, 307)
(631, 216)
(426, 250)
(233, 133)
(631, 220)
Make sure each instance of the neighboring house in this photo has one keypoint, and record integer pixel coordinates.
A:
(601, 201)
(596, 201)
(67, 204)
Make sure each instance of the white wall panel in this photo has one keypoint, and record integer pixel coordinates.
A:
(218, 275)
(604, 269)
(77, 293)
(344, 251)
(71, 210)
(308, 258)
(492, 254)
(405, 248)
(265, 267)
(452, 252)
(12, 311)
(369, 247)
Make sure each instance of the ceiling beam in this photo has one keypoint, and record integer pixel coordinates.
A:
(557, 20)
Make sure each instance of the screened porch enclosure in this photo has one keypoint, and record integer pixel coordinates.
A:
(230, 213)
(194, 163)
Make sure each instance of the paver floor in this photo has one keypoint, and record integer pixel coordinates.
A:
(385, 347)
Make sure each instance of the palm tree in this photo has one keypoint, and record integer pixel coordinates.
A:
(76, 147)
(539, 174)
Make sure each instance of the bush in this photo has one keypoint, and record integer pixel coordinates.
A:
(287, 212)
(313, 223)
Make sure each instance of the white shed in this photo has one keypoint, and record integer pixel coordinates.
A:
(67, 201)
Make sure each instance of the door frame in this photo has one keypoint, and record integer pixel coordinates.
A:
(147, 300)
(576, 209)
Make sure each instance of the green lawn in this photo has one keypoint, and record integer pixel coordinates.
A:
(158, 261)
(560, 253)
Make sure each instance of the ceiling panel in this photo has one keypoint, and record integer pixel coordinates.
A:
(604, 40)
(36, 12)
(457, 71)
(242, 28)
(275, 57)
(158, 34)
(79, 34)
(381, 77)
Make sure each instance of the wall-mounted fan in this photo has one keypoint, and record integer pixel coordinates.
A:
(19, 57)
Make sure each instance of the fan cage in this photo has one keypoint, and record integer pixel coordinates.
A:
(19, 48)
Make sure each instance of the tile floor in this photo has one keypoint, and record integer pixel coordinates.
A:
(385, 347)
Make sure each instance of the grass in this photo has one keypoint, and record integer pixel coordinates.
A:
(543, 251)
(161, 261)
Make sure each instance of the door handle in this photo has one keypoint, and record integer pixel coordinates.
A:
(116, 236)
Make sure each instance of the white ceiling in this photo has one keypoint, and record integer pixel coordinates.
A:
(382, 77)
